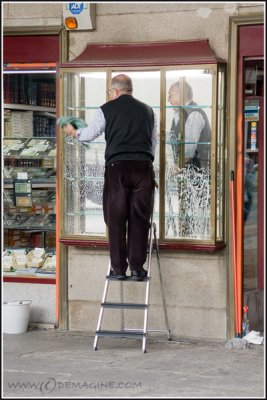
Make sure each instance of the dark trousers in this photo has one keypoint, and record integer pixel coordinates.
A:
(127, 204)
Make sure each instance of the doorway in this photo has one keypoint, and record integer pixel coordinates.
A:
(250, 163)
(253, 210)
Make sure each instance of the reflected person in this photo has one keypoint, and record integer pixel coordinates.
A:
(130, 129)
(196, 127)
(249, 183)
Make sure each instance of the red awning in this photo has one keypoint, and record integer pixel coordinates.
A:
(145, 54)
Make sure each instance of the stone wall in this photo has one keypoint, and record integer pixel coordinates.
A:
(194, 286)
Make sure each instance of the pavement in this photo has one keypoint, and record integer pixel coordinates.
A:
(55, 363)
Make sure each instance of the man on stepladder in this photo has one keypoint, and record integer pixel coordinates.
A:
(130, 129)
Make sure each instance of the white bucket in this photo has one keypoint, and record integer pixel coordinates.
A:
(16, 316)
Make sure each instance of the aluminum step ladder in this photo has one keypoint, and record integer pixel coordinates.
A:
(133, 333)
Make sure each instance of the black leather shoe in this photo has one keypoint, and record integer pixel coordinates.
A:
(120, 276)
(139, 275)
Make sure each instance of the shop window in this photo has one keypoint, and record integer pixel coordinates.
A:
(188, 98)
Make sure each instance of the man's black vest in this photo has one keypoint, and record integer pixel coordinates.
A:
(201, 157)
(128, 132)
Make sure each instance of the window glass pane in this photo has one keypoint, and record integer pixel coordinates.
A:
(252, 203)
(84, 164)
(220, 153)
(188, 154)
(184, 177)
(146, 88)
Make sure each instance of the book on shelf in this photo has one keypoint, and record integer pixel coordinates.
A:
(44, 126)
(27, 124)
(24, 89)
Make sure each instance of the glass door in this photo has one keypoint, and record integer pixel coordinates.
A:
(253, 191)
(253, 180)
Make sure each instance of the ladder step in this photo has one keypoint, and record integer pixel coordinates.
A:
(124, 305)
(128, 278)
(128, 333)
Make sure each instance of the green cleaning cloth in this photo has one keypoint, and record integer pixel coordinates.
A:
(76, 123)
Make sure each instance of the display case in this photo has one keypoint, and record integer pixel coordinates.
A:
(189, 160)
(29, 172)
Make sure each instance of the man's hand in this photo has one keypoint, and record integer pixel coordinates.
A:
(69, 130)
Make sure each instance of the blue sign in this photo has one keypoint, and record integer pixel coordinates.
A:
(76, 8)
(251, 113)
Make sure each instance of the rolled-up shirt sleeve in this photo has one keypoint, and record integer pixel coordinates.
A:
(95, 128)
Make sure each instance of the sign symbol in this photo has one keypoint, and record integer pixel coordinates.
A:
(76, 8)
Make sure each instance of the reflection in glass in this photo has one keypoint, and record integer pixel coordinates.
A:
(187, 154)
(251, 117)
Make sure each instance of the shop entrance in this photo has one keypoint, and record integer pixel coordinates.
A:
(251, 167)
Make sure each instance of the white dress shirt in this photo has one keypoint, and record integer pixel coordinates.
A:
(97, 126)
